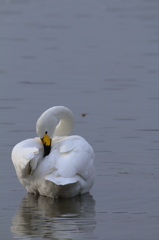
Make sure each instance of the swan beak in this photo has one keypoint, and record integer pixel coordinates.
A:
(46, 141)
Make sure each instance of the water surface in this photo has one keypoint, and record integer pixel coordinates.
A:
(100, 59)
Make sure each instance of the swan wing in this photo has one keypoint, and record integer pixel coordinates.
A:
(25, 156)
(74, 159)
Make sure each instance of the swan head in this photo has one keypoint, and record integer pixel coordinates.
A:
(45, 128)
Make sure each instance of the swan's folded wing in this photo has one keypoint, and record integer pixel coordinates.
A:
(73, 163)
(77, 161)
(30, 155)
(24, 160)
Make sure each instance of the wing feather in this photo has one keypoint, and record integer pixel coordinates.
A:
(25, 157)
(73, 159)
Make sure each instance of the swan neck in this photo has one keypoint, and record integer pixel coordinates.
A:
(56, 121)
(66, 122)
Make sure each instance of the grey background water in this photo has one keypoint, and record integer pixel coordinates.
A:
(99, 58)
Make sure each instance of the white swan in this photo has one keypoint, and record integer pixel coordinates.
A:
(55, 164)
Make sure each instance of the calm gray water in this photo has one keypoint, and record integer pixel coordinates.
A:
(99, 58)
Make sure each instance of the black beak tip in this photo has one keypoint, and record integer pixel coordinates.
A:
(47, 150)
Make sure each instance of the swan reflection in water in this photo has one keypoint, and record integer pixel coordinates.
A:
(45, 217)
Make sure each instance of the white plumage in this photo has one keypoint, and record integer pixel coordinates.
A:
(67, 170)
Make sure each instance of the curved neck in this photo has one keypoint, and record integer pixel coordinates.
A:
(56, 121)
(66, 121)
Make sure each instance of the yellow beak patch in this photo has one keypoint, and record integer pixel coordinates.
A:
(46, 140)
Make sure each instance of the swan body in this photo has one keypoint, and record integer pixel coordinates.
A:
(66, 169)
